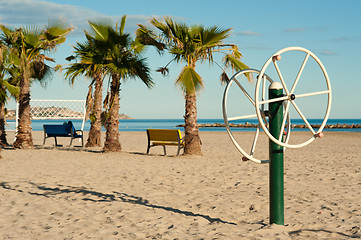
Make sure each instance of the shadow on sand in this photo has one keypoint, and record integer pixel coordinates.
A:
(94, 196)
(89, 195)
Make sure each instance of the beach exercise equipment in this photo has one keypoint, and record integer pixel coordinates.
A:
(290, 98)
(281, 97)
(236, 80)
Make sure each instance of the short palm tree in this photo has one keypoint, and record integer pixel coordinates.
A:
(122, 60)
(28, 47)
(190, 45)
(89, 63)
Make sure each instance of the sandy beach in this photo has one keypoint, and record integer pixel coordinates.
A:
(81, 193)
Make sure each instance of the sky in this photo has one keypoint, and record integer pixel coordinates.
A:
(330, 29)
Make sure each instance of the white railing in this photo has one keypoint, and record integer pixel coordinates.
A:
(53, 109)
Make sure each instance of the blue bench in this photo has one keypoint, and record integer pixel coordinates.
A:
(64, 130)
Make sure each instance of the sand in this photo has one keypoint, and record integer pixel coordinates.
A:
(81, 193)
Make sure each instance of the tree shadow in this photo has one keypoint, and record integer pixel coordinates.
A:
(297, 232)
(69, 148)
(94, 196)
(155, 155)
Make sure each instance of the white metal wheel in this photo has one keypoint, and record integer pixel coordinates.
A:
(234, 81)
(290, 97)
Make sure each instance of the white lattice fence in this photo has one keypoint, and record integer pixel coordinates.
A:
(55, 109)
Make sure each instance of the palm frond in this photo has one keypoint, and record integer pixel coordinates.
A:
(122, 24)
(100, 29)
(234, 63)
(224, 78)
(70, 58)
(213, 36)
(148, 37)
(13, 90)
(189, 80)
(163, 70)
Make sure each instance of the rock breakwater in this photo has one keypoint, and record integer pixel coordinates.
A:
(252, 125)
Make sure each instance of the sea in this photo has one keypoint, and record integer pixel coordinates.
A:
(139, 125)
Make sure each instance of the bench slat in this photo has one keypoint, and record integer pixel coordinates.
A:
(163, 134)
(56, 129)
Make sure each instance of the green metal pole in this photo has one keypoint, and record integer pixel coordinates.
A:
(276, 156)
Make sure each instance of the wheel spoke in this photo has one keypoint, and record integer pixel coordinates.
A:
(274, 100)
(303, 117)
(312, 94)
(242, 117)
(299, 73)
(263, 91)
(284, 120)
(254, 141)
(281, 78)
(245, 92)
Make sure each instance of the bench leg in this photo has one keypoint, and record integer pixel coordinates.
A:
(56, 142)
(165, 152)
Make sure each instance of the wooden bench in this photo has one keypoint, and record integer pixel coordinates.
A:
(63, 130)
(164, 137)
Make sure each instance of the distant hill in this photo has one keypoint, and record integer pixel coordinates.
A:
(55, 112)
(123, 116)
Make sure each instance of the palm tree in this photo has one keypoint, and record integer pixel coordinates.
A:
(7, 89)
(190, 45)
(122, 59)
(28, 47)
(89, 64)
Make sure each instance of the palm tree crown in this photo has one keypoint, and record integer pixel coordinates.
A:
(191, 44)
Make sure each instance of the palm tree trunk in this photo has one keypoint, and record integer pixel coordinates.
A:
(96, 125)
(24, 138)
(112, 143)
(192, 140)
(3, 140)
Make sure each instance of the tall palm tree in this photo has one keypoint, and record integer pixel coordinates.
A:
(122, 60)
(7, 89)
(89, 64)
(190, 44)
(28, 47)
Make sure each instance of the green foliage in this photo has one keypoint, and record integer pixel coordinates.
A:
(7, 86)
(112, 53)
(28, 47)
(92, 118)
(189, 80)
(190, 44)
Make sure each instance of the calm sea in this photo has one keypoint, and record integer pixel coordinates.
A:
(139, 125)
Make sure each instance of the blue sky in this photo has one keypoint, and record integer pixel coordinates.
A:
(330, 29)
